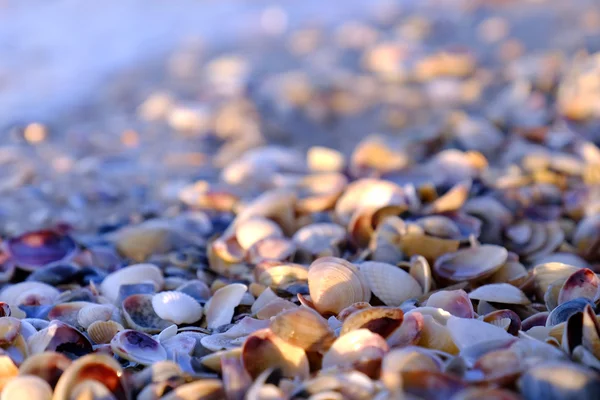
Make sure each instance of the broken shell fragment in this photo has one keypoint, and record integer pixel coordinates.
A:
(503, 293)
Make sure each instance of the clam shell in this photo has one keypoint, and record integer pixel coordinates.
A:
(511, 272)
(581, 283)
(68, 312)
(434, 334)
(138, 273)
(220, 308)
(263, 349)
(9, 330)
(29, 293)
(176, 307)
(320, 239)
(234, 336)
(469, 332)
(381, 320)
(205, 389)
(137, 347)
(8, 370)
(304, 328)
(334, 284)
(236, 380)
(179, 344)
(59, 336)
(48, 366)
(430, 247)
(139, 314)
(97, 367)
(101, 332)
(95, 312)
(213, 361)
(409, 332)
(456, 302)
(390, 284)
(565, 310)
(274, 307)
(356, 345)
(27, 387)
(507, 319)
(591, 331)
(271, 248)
(555, 380)
(277, 205)
(470, 264)
(276, 274)
(324, 159)
(421, 271)
(319, 192)
(33, 250)
(499, 293)
(546, 274)
(254, 229)
(452, 200)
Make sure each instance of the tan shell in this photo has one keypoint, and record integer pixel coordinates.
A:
(324, 159)
(204, 389)
(277, 205)
(8, 370)
(389, 283)
(27, 387)
(470, 264)
(137, 273)
(500, 293)
(101, 332)
(213, 361)
(409, 333)
(276, 274)
(591, 331)
(274, 307)
(381, 320)
(303, 327)
(452, 200)
(511, 272)
(319, 192)
(263, 349)
(94, 312)
(220, 308)
(356, 345)
(434, 334)
(421, 271)
(456, 302)
(546, 274)
(334, 284)
(271, 248)
(432, 248)
(254, 229)
(9, 329)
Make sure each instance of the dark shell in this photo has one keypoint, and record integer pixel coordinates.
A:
(565, 310)
(140, 315)
(55, 274)
(33, 250)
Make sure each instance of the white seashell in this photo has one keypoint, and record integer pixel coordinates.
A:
(179, 344)
(389, 283)
(227, 339)
(220, 308)
(20, 293)
(265, 298)
(132, 274)
(26, 387)
(467, 332)
(167, 333)
(176, 307)
(504, 293)
(94, 312)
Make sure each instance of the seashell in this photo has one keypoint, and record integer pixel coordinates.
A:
(213, 361)
(220, 308)
(27, 387)
(137, 288)
(554, 380)
(355, 346)
(265, 298)
(503, 293)
(581, 283)
(271, 248)
(432, 248)
(8, 370)
(319, 192)
(139, 242)
(320, 239)
(9, 330)
(439, 226)
(48, 366)
(95, 312)
(507, 319)
(591, 331)
(484, 393)
(254, 229)
(470, 264)
(59, 337)
(565, 310)
(334, 284)
(91, 389)
(204, 195)
(234, 336)
(546, 274)
(376, 155)
(274, 307)
(389, 283)
(585, 357)
(409, 358)
(29, 293)
(452, 200)
(367, 194)
(263, 349)
(324, 159)
(421, 271)
(139, 314)
(4, 310)
(276, 274)
(176, 307)
(365, 219)
(381, 320)
(456, 302)
(493, 214)
(277, 205)
(137, 347)
(101, 332)
(236, 380)
(585, 237)
(33, 250)
(197, 289)
(179, 344)
(133, 274)
(513, 272)
(469, 332)
(431, 384)
(55, 274)
(100, 368)
(67, 312)
(434, 334)
(409, 332)
(205, 389)
(569, 333)
(304, 328)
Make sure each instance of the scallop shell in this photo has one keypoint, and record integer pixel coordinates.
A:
(137, 273)
(101, 332)
(303, 327)
(472, 263)
(500, 293)
(139, 314)
(137, 347)
(263, 349)
(356, 345)
(220, 308)
(390, 284)
(334, 284)
(27, 387)
(95, 312)
(176, 307)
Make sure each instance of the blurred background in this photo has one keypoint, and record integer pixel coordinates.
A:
(124, 102)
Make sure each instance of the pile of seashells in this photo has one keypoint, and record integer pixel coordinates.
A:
(341, 281)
